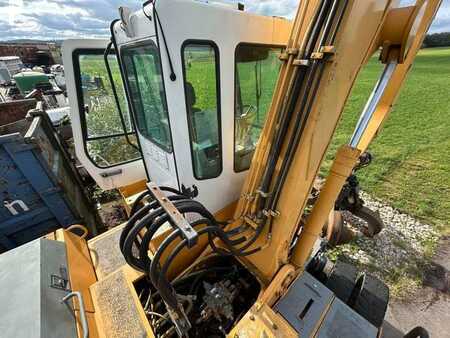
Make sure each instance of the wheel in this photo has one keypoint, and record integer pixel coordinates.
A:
(417, 332)
(342, 280)
(372, 301)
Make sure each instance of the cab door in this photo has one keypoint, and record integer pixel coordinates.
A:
(105, 144)
(144, 81)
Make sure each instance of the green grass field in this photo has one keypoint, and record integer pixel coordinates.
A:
(411, 167)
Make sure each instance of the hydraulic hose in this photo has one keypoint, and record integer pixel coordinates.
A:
(152, 217)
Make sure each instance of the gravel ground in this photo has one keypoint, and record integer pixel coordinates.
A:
(399, 254)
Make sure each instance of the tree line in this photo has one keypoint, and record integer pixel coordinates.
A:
(437, 40)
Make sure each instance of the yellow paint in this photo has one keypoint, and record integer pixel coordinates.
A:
(130, 192)
(366, 27)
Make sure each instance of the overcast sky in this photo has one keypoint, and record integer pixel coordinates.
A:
(60, 19)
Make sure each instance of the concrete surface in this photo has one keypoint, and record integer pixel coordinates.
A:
(430, 306)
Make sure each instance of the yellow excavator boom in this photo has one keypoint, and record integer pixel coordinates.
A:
(302, 121)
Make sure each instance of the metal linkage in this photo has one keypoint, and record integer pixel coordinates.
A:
(176, 218)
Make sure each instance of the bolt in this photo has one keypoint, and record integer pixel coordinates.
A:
(274, 326)
(252, 317)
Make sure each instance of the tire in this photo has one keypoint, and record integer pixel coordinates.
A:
(342, 280)
(373, 301)
(417, 332)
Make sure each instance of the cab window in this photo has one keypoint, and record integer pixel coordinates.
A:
(145, 83)
(104, 136)
(256, 74)
(202, 93)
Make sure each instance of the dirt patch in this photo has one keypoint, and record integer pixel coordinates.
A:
(112, 214)
(109, 205)
(437, 274)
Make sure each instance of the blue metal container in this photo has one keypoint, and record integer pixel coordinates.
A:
(40, 189)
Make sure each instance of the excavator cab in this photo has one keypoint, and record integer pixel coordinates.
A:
(182, 105)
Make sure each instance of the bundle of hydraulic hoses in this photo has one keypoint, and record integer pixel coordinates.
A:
(151, 216)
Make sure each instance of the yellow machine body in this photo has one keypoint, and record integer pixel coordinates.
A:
(367, 27)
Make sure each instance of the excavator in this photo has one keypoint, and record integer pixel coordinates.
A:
(227, 116)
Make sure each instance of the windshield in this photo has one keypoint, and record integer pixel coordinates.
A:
(145, 83)
(257, 69)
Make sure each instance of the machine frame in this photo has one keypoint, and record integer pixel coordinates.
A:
(280, 243)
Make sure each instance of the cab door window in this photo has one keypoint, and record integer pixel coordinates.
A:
(256, 75)
(148, 98)
(202, 92)
(104, 136)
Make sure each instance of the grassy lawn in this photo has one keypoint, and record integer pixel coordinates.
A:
(411, 167)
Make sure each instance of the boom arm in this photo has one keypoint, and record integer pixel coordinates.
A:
(313, 87)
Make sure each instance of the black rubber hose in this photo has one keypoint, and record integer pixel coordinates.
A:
(139, 199)
(321, 16)
(141, 263)
(156, 274)
(299, 124)
(288, 111)
(140, 214)
(325, 19)
(307, 102)
(127, 249)
(157, 216)
(153, 228)
(137, 202)
(213, 231)
(159, 276)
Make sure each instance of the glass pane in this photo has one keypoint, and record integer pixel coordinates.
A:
(257, 69)
(202, 101)
(143, 72)
(112, 150)
(100, 112)
(102, 117)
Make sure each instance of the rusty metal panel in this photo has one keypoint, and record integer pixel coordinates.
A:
(39, 187)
